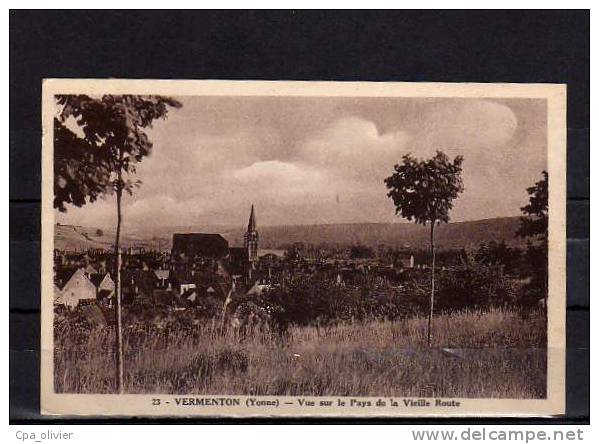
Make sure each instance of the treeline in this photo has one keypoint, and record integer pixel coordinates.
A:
(492, 276)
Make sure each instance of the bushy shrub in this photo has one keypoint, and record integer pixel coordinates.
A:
(474, 284)
(320, 301)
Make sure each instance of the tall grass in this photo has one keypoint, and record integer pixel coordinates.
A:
(497, 353)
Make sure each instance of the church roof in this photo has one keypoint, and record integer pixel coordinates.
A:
(200, 244)
(269, 251)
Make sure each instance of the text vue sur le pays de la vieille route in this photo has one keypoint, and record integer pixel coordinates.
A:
(302, 402)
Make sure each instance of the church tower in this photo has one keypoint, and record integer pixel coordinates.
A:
(251, 240)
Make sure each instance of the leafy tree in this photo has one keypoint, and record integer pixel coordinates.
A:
(476, 283)
(499, 253)
(534, 226)
(534, 223)
(98, 141)
(81, 169)
(423, 191)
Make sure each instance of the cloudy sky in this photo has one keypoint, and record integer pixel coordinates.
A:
(308, 160)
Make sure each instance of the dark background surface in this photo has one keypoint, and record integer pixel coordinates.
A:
(410, 46)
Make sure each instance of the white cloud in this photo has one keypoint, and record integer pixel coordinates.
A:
(276, 172)
(355, 149)
(472, 126)
(280, 182)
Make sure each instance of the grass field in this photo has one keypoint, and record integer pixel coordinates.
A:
(495, 354)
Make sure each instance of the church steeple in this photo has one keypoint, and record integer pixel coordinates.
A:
(252, 222)
(251, 241)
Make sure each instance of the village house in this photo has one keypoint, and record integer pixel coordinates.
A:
(90, 271)
(162, 278)
(79, 289)
(271, 255)
(105, 287)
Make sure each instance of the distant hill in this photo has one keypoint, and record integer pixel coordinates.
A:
(453, 235)
(78, 238)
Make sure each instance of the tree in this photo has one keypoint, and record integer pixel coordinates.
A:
(479, 282)
(423, 191)
(534, 223)
(534, 226)
(98, 142)
(500, 254)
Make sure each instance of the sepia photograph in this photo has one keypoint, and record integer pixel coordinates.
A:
(235, 248)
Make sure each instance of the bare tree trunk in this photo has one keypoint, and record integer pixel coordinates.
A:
(546, 282)
(432, 302)
(118, 311)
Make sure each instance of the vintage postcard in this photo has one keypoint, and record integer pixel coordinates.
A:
(243, 249)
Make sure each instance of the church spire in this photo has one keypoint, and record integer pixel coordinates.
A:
(251, 241)
(252, 222)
